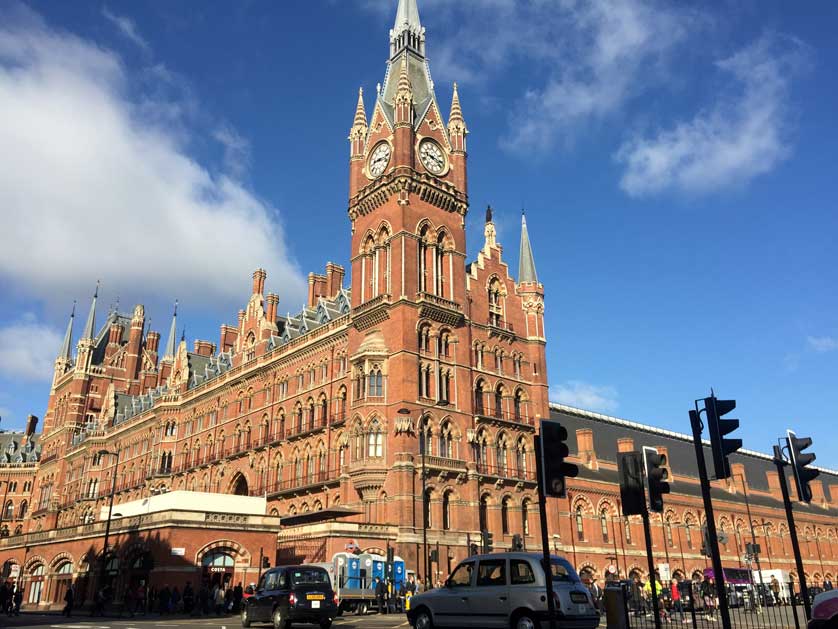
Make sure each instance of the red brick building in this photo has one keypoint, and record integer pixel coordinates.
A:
(320, 411)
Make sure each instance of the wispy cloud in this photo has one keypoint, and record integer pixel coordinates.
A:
(738, 138)
(28, 349)
(585, 395)
(822, 343)
(128, 29)
(236, 150)
(128, 200)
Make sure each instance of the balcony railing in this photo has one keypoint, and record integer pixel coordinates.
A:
(445, 463)
(288, 484)
(505, 416)
(505, 471)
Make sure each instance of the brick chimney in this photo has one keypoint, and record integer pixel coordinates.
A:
(229, 334)
(773, 482)
(585, 445)
(152, 341)
(334, 279)
(818, 495)
(273, 302)
(625, 444)
(204, 348)
(259, 276)
(31, 426)
(316, 288)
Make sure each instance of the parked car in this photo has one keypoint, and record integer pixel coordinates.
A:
(825, 611)
(292, 594)
(505, 590)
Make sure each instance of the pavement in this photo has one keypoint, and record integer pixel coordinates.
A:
(84, 621)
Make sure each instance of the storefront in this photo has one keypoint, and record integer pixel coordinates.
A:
(218, 567)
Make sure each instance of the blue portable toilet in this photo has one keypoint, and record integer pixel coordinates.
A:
(348, 570)
(398, 572)
(379, 568)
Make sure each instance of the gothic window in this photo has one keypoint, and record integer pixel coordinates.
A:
(504, 515)
(484, 513)
(9, 511)
(481, 453)
(360, 383)
(310, 414)
(445, 442)
(423, 258)
(479, 393)
(341, 403)
(376, 383)
(627, 526)
(443, 344)
(250, 347)
(310, 462)
(517, 404)
(324, 409)
(298, 417)
(495, 302)
(502, 455)
(427, 508)
(499, 361)
(298, 469)
(688, 534)
(580, 525)
(525, 522)
(439, 265)
(445, 385)
(668, 528)
(424, 338)
(446, 511)
(603, 524)
(499, 402)
(24, 506)
(375, 441)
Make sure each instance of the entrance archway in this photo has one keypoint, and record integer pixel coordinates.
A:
(218, 567)
(63, 579)
(239, 486)
(36, 583)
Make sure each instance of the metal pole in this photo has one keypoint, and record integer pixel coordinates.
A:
(3, 506)
(654, 589)
(753, 542)
(425, 505)
(545, 544)
(798, 559)
(718, 573)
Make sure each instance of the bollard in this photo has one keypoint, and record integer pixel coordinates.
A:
(615, 606)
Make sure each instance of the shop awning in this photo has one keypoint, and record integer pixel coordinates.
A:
(323, 515)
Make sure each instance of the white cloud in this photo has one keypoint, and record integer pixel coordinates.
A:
(97, 184)
(584, 395)
(730, 143)
(822, 343)
(127, 27)
(28, 349)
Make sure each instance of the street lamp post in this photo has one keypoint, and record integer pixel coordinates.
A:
(3, 504)
(104, 561)
(753, 542)
(422, 449)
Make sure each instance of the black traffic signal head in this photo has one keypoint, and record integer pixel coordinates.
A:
(488, 541)
(434, 556)
(656, 476)
(718, 428)
(799, 460)
(632, 495)
(472, 549)
(554, 451)
(266, 563)
(517, 542)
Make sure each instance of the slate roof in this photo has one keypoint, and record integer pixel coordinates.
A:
(14, 450)
(606, 431)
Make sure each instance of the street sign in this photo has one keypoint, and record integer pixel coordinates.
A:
(612, 569)
(663, 569)
(178, 552)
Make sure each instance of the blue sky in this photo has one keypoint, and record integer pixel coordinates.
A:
(676, 162)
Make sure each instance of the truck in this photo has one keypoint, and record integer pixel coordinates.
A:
(354, 577)
(764, 577)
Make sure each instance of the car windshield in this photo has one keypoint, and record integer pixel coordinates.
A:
(562, 570)
(308, 576)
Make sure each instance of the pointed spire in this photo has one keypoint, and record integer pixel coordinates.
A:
(68, 338)
(91, 317)
(360, 112)
(526, 262)
(407, 17)
(170, 342)
(456, 111)
(404, 86)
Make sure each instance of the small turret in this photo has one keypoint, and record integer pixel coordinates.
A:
(66, 347)
(526, 261)
(169, 354)
(89, 327)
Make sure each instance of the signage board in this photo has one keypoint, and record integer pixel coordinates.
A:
(178, 552)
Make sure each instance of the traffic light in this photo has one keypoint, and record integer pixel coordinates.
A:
(473, 550)
(517, 543)
(266, 563)
(553, 453)
(632, 495)
(802, 475)
(488, 541)
(391, 554)
(705, 540)
(718, 428)
(656, 475)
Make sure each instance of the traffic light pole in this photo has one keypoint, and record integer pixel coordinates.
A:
(798, 559)
(545, 543)
(718, 574)
(656, 585)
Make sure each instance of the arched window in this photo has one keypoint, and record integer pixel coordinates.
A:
(484, 513)
(481, 451)
(24, 506)
(521, 458)
(445, 385)
(688, 534)
(439, 265)
(375, 441)
(627, 528)
(446, 511)
(9, 511)
(341, 403)
(218, 558)
(423, 253)
(668, 528)
(427, 508)
(443, 344)
(36, 587)
(445, 441)
(479, 392)
(376, 383)
(580, 525)
(525, 515)
(298, 470)
(518, 402)
(499, 402)
(504, 515)
(501, 453)
(424, 338)
(495, 302)
(603, 524)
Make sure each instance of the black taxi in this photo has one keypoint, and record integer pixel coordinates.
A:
(292, 594)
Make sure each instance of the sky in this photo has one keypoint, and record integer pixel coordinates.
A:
(676, 162)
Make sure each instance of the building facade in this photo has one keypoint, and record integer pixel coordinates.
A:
(421, 369)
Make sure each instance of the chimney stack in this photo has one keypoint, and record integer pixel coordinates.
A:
(31, 425)
(625, 444)
(273, 302)
(259, 276)
(334, 279)
(152, 341)
(204, 348)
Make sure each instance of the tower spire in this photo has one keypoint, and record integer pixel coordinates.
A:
(407, 30)
(360, 112)
(170, 343)
(91, 317)
(526, 262)
(68, 338)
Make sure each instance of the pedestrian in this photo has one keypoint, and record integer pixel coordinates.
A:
(775, 589)
(238, 594)
(129, 601)
(164, 597)
(677, 603)
(17, 599)
(596, 594)
(381, 595)
(708, 595)
(218, 600)
(5, 596)
(637, 596)
(188, 598)
(69, 598)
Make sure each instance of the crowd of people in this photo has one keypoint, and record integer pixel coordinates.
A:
(392, 599)
(11, 597)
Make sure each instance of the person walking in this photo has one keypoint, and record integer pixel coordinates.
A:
(17, 599)
(708, 596)
(218, 599)
(238, 594)
(188, 598)
(69, 599)
(381, 595)
(677, 603)
(596, 594)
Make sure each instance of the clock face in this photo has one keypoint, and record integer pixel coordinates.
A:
(432, 157)
(379, 159)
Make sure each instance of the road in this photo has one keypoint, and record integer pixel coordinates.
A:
(84, 621)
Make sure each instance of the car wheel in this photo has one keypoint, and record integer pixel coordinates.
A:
(523, 621)
(325, 624)
(361, 609)
(245, 618)
(279, 620)
(423, 620)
